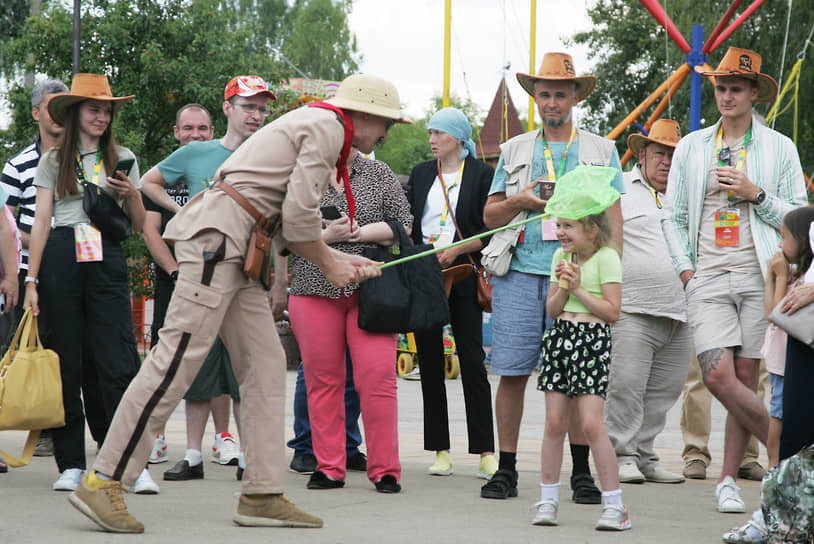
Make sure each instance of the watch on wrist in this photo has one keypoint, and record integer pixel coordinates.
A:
(174, 275)
(32, 279)
(761, 196)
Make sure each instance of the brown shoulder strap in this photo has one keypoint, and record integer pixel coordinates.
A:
(449, 207)
(237, 197)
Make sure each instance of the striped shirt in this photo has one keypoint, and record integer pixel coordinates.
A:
(17, 180)
(773, 165)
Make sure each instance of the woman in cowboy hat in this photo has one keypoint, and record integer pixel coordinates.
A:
(77, 275)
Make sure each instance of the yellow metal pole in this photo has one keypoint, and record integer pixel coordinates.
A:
(447, 33)
(532, 48)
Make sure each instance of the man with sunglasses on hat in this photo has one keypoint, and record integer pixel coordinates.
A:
(651, 339)
(281, 172)
(245, 105)
(528, 167)
(729, 187)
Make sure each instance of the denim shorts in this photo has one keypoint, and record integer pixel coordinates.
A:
(519, 320)
(776, 404)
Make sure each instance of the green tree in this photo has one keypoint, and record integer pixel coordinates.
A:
(633, 56)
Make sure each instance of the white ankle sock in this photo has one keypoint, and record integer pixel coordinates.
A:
(218, 436)
(612, 497)
(550, 492)
(193, 457)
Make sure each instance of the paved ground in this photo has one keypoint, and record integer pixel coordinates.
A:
(430, 508)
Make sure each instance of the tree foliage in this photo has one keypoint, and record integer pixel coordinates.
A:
(167, 54)
(633, 56)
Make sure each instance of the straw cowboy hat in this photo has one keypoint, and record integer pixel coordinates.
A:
(746, 64)
(368, 94)
(84, 87)
(664, 131)
(558, 67)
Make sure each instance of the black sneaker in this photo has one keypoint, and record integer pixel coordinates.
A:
(182, 471)
(502, 485)
(388, 484)
(320, 480)
(585, 490)
(303, 464)
(357, 462)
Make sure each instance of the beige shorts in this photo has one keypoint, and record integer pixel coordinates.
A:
(726, 311)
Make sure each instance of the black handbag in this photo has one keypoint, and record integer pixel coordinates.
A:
(407, 297)
(102, 210)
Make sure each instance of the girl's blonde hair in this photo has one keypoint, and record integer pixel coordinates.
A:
(601, 221)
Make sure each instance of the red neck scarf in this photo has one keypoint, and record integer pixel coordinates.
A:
(342, 172)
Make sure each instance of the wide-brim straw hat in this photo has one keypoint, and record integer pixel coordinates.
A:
(746, 64)
(84, 87)
(558, 67)
(368, 94)
(664, 131)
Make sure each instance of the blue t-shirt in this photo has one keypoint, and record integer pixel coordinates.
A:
(196, 164)
(533, 255)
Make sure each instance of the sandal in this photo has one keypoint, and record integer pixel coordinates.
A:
(501, 485)
(585, 490)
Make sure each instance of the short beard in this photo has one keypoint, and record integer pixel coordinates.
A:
(556, 123)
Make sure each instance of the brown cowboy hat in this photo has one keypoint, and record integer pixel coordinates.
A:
(558, 67)
(746, 64)
(664, 131)
(84, 87)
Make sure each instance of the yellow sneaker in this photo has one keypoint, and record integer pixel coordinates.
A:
(442, 465)
(273, 510)
(487, 467)
(102, 502)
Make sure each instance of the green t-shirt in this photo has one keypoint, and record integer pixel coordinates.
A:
(604, 266)
(194, 164)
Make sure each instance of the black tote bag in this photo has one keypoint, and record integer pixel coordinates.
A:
(409, 297)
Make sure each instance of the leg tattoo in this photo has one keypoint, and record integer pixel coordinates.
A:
(709, 361)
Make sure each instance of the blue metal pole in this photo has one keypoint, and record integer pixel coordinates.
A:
(695, 58)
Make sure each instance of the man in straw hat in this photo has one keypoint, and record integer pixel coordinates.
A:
(651, 339)
(729, 186)
(214, 296)
(520, 258)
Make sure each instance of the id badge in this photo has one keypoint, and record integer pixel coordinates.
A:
(727, 227)
(88, 240)
(549, 229)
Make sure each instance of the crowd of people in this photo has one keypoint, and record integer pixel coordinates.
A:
(619, 288)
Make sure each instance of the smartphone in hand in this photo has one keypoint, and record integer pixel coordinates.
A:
(330, 212)
(124, 165)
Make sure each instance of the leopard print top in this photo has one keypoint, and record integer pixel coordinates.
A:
(379, 197)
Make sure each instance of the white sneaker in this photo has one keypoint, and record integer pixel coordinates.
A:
(728, 496)
(629, 474)
(68, 480)
(145, 485)
(751, 533)
(159, 453)
(546, 512)
(414, 374)
(225, 450)
(614, 518)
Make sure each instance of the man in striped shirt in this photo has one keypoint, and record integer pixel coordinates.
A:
(729, 187)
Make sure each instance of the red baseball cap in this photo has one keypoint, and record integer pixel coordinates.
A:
(247, 86)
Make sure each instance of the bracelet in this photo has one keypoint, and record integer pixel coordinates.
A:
(31, 279)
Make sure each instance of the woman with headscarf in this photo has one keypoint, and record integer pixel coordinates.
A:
(457, 176)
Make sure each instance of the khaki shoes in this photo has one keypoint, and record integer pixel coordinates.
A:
(272, 511)
(102, 502)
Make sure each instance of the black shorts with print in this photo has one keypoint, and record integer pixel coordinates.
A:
(576, 358)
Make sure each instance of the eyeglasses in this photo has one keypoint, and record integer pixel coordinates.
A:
(724, 155)
(390, 124)
(254, 108)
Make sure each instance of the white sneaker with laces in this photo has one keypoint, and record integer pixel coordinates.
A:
(546, 512)
(614, 518)
(414, 374)
(68, 480)
(145, 485)
(159, 453)
(225, 450)
(751, 533)
(728, 497)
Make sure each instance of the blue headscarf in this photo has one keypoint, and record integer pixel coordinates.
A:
(454, 122)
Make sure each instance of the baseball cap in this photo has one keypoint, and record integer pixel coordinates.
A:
(247, 86)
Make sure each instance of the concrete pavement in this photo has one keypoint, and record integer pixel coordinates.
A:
(430, 508)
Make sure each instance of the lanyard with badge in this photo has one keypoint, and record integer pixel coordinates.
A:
(442, 238)
(549, 225)
(727, 219)
(87, 238)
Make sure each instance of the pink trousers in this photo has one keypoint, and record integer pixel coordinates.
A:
(323, 328)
